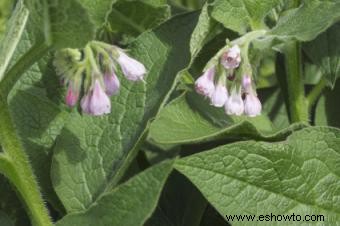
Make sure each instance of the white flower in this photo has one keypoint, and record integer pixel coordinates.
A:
(132, 69)
(234, 105)
(231, 58)
(219, 96)
(252, 105)
(204, 85)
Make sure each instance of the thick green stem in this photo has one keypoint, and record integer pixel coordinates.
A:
(15, 165)
(297, 104)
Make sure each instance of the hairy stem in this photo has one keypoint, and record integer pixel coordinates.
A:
(15, 165)
(297, 104)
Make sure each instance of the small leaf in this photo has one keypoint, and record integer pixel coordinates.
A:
(130, 204)
(324, 51)
(300, 175)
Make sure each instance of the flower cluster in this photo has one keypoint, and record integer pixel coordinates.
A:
(93, 73)
(242, 99)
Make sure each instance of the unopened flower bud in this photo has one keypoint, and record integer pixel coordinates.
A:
(246, 82)
(231, 58)
(72, 95)
(132, 69)
(204, 85)
(234, 105)
(112, 83)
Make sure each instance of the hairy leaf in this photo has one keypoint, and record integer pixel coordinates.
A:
(300, 175)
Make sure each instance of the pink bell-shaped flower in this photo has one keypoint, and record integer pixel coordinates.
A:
(252, 105)
(231, 58)
(219, 96)
(234, 105)
(96, 102)
(132, 69)
(204, 85)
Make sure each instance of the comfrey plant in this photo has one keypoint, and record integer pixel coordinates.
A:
(228, 71)
(91, 75)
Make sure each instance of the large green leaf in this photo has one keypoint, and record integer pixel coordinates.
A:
(310, 19)
(12, 36)
(242, 15)
(128, 19)
(63, 23)
(92, 153)
(130, 204)
(190, 119)
(324, 51)
(300, 176)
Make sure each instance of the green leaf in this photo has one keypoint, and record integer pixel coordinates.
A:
(12, 36)
(129, 204)
(303, 24)
(242, 15)
(324, 51)
(300, 175)
(327, 112)
(92, 153)
(129, 18)
(98, 10)
(191, 119)
(63, 23)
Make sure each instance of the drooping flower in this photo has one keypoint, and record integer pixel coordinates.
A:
(252, 105)
(132, 69)
(72, 95)
(234, 105)
(112, 83)
(231, 58)
(96, 102)
(220, 95)
(204, 85)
